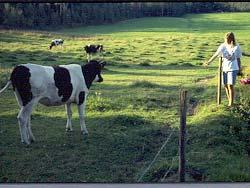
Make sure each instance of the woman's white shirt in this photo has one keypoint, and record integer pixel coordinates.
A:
(229, 56)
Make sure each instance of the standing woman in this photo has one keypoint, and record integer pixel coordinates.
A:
(231, 64)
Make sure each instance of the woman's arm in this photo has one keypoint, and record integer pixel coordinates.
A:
(211, 59)
(239, 64)
(218, 51)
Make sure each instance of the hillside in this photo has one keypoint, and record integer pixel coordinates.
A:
(132, 113)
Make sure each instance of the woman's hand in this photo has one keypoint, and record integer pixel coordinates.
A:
(206, 63)
(240, 73)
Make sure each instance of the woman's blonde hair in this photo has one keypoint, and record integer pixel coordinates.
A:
(229, 38)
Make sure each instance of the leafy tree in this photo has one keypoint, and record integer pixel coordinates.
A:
(44, 15)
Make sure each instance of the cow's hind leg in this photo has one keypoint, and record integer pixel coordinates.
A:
(23, 120)
(19, 101)
(81, 109)
(69, 117)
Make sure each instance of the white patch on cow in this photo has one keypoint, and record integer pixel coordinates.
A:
(43, 84)
(57, 41)
(96, 78)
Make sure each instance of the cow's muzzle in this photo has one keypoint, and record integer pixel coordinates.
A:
(100, 78)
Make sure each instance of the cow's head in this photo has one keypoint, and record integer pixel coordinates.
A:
(100, 67)
(92, 72)
(100, 48)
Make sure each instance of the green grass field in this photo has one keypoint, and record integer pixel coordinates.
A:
(131, 114)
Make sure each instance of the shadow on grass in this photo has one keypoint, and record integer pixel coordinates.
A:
(44, 57)
(116, 149)
(114, 72)
(17, 37)
(166, 67)
(221, 128)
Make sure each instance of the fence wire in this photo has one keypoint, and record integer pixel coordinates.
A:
(158, 153)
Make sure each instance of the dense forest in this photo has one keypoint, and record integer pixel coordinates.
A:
(55, 15)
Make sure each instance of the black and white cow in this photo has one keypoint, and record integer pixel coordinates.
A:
(56, 42)
(93, 49)
(52, 86)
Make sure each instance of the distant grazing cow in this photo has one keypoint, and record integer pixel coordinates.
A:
(93, 49)
(56, 42)
(52, 86)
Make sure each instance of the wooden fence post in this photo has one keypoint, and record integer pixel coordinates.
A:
(219, 82)
(182, 133)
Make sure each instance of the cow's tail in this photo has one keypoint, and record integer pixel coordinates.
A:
(6, 86)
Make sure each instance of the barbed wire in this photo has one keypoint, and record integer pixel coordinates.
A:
(171, 166)
(173, 160)
(158, 153)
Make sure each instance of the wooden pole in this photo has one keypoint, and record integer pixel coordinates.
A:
(219, 82)
(183, 112)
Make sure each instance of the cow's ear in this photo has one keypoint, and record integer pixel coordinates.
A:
(103, 63)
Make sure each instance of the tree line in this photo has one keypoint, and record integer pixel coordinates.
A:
(56, 15)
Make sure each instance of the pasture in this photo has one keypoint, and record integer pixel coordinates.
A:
(135, 109)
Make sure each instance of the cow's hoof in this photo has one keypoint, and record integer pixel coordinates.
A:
(69, 130)
(84, 133)
(32, 139)
(27, 144)
(85, 136)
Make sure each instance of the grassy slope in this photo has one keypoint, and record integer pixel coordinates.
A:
(134, 110)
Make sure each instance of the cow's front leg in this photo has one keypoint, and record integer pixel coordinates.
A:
(88, 57)
(69, 117)
(81, 111)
